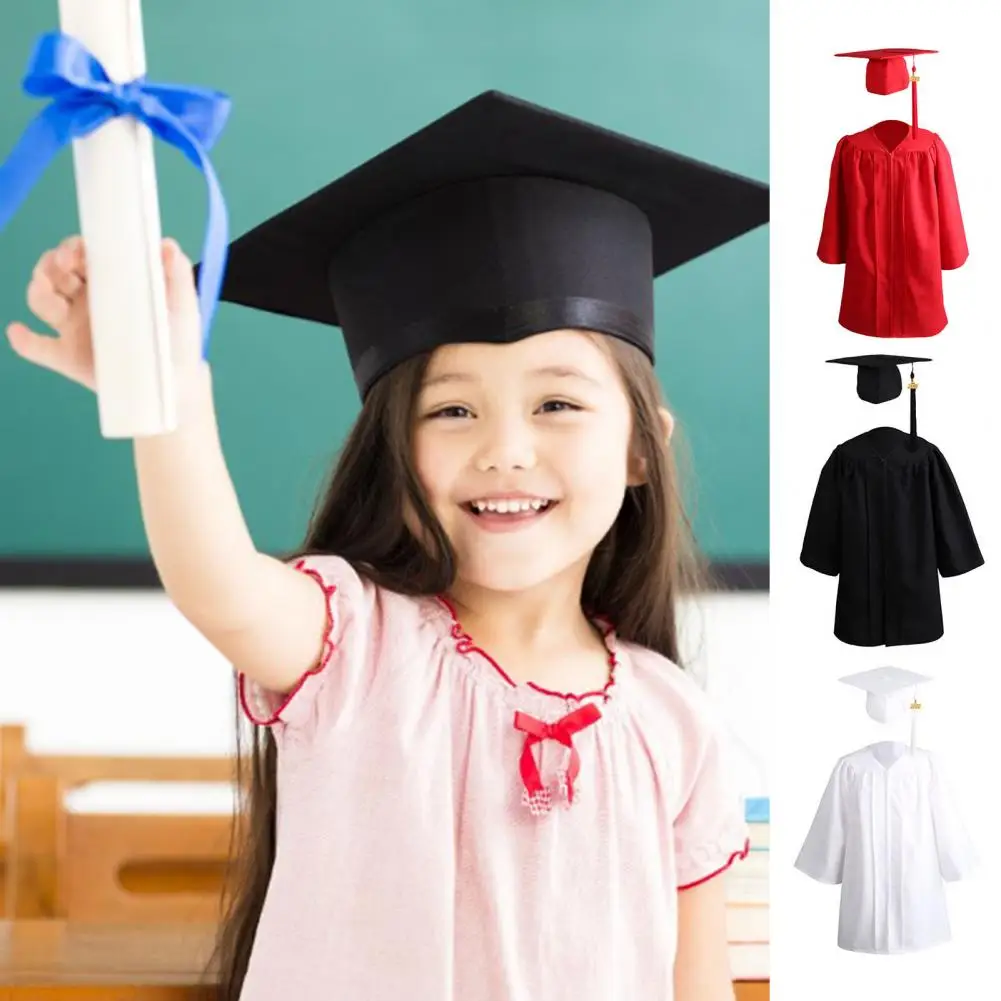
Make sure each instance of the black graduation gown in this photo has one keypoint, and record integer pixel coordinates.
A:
(888, 518)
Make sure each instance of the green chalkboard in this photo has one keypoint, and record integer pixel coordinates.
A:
(318, 86)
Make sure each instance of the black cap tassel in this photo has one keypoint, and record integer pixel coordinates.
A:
(913, 387)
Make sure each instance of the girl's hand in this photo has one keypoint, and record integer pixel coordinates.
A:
(57, 295)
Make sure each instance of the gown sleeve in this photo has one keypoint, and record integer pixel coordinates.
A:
(822, 541)
(822, 856)
(956, 854)
(952, 235)
(957, 551)
(345, 673)
(833, 236)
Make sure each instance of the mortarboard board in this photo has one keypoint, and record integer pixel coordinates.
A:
(499, 220)
(879, 380)
(886, 689)
(886, 73)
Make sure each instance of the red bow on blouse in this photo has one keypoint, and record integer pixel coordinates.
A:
(562, 730)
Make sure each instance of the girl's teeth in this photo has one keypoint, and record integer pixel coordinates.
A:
(510, 507)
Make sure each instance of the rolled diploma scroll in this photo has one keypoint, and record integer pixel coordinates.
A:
(120, 224)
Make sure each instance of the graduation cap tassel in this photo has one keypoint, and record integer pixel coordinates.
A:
(915, 708)
(914, 99)
(913, 387)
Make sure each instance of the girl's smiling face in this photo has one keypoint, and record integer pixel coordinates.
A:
(507, 426)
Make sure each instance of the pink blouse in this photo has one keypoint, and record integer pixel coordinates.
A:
(446, 834)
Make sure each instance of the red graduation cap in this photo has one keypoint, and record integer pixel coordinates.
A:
(886, 73)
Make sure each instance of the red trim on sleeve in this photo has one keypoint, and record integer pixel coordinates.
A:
(742, 854)
(327, 653)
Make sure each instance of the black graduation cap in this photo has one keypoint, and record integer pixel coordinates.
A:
(500, 220)
(878, 376)
(879, 379)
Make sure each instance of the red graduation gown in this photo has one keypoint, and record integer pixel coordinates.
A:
(893, 220)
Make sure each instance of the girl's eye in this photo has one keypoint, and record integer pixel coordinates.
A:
(448, 411)
(562, 404)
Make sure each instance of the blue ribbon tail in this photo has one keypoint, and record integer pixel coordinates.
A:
(38, 146)
(215, 245)
(214, 252)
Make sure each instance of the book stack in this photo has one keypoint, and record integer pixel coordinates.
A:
(747, 899)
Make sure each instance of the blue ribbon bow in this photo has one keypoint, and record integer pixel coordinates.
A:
(83, 99)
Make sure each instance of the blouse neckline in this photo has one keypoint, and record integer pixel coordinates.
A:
(528, 695)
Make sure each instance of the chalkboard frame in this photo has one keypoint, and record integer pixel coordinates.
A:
(140, 574)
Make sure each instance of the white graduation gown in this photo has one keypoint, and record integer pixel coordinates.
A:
(887, 831)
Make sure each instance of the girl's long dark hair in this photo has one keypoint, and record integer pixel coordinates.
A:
(636, 575)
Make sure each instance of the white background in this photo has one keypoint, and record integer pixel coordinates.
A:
(815, 100)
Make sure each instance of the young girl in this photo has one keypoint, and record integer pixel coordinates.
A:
(478, 772)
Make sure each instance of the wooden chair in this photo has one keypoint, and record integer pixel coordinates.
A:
(108, 867)
(11, 750)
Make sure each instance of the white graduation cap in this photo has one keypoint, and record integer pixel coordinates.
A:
(891, 692)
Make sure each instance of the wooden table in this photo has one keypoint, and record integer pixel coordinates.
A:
(57, 961)
(69, 961)
(752, 990)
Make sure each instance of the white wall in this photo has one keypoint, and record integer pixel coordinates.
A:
(124, 673)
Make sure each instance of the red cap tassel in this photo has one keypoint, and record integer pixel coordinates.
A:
(914, 101)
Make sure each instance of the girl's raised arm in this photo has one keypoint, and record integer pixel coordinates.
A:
(266, 618)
